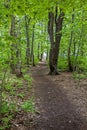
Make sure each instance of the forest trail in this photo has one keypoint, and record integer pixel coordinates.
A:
(57, 110)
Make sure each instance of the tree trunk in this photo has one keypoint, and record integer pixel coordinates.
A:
(47, 54)
(39, 51)
(18, 54)
(70, 65)
(15, 63)
(27, 20)
(12, 33)
(32, 48)
(55, 44)
(80, 43)
(41, 55)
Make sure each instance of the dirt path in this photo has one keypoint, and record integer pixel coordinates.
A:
(57, 110)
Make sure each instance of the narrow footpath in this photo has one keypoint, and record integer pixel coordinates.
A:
(55, 110)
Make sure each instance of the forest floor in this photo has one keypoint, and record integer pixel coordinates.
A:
(60, 101)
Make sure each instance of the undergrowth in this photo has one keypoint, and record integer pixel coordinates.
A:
(15, 96)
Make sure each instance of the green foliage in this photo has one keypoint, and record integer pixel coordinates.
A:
(4, 95)
(6, 113)
(28, 106)
(21, 95)
(5, 108)
(36, 60)
(82, 64)
(62, 64)
(5, 121)
(28, 78)
(79, 76)
(11, 88)
(19, 83)
(37, 12)
(24, 70)
(8, 87)
(8, 107)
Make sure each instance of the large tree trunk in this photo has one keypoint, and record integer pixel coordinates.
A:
(55, 43)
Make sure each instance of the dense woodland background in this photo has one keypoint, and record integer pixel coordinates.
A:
(31, 28)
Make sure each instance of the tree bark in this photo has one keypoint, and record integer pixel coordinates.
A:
(41, 55)
(55, 37)
(32, 48)
(47, 52)
(12, 33)
(18, 53)
(27, 20)
(15, 62)
(39, 51)
(70, 65)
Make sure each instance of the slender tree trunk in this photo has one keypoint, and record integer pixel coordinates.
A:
(39, 51)
(69, 53)
(79, 48)
(18, 53)
(74, 54)
(12, 33)
(27, 20)
(47, 54)
(70, 65)
(55, 44)
(82, 34)
(32, 48)
(41, 56)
